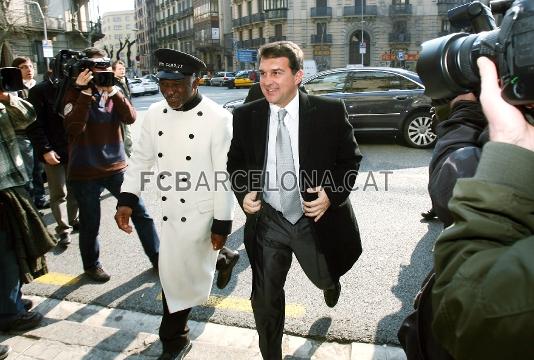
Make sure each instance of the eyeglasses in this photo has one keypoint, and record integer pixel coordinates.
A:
(26, 66)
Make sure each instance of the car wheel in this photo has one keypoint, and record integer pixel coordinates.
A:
(417, 131)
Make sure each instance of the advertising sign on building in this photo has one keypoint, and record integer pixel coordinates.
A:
(363, 47)
(215, 33)
(48, 50)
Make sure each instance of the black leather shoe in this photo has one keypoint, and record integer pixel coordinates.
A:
(64, 240)
(98, 273)
(331, 296)
(179, 355)
(4, 351)
(429, 215)
(225, 274)
(27, 303)
(24, 321)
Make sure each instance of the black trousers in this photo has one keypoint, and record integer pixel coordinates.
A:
(173, 331)
(277, 240)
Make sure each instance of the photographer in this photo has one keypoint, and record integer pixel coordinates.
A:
(457, 151)
(93, 111)
(50, 147)
(24, 239)
(483, 299)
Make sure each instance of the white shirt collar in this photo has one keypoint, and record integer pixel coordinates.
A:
(292, 107)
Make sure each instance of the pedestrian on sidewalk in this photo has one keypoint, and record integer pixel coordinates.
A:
(50, 147)
(297, 141)
(119, 69)
(97, 160)
(34, 167)
(186, 137)
(24, 239)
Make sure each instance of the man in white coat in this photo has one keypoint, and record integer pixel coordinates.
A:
(187, 137)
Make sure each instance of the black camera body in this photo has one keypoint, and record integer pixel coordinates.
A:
(11, 79)
(447, 65)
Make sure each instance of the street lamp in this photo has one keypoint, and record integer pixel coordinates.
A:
(44, 26)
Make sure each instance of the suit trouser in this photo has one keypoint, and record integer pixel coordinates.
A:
(173, 331)
(277, 240)
(62, 202)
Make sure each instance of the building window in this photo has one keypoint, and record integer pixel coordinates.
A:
(278, 30)
(320, 3)
(250, 34)
(274, 4)
(117, 27)
(249, 8)
(321, 30)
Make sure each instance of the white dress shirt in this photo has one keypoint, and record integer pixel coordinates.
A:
(291, 120)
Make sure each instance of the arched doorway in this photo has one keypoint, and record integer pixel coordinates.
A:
(355, 57)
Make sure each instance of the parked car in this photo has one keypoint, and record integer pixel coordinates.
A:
(205, 80)
(221, 78)
(244, 78)
(136, 87)
(151, 87)
(378, 100)
(150, 77)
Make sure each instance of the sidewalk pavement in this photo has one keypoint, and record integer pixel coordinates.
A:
(72, 331)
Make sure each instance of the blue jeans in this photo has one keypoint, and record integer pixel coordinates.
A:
(87, 193)
(10, 295)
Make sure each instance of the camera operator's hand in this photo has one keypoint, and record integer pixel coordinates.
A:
(506, 123)
(84, 78)
(4, 97)
(463, 97)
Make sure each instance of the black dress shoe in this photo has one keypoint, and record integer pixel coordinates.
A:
(429, 215)
(178, 355)
(331, 296)
(225, 274)
(98, 273)
(64, 240)
(24, 321)
(4, 351)
(27, 303)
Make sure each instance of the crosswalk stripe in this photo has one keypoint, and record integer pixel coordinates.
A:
(241, 304)
(53, 278)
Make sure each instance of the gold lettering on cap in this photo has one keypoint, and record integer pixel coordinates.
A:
(170, 65)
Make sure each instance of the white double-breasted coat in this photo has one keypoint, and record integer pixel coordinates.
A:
(189, 151)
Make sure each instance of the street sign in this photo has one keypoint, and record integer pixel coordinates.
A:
(247, 56)
(363, 47)
(400, 55)
(48, 50)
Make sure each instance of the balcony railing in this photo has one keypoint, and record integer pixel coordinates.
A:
(276, 38)
(259, 17)
(368, 10)
(400, 9)
(185, 13)
(185, 33)
(321, 12)
(321, 39)
(52, 23)
(397, 38)
(256, 43)
(277, 14)
(445, 5)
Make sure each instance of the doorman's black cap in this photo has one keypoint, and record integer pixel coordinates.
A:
(175, 65)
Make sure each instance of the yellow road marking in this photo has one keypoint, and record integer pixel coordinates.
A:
(240, 304)
(53, 278)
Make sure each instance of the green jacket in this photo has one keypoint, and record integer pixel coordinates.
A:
(483, 298)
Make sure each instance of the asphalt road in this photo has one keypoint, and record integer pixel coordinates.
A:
(376, 294)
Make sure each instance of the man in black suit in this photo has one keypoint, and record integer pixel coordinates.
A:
(290, 135)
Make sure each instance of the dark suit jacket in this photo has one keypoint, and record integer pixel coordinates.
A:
(327, 152)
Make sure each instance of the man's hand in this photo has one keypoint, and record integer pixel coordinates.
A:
(51, 158)
(218, 241)
(85, 78)
(463, 97)
(317, 207)
(4, 97)
(122, 218)
(250, 204)
(506, 123)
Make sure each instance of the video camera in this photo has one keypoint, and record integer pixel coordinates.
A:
(69, 64)
(447, 65)
(10, 79)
